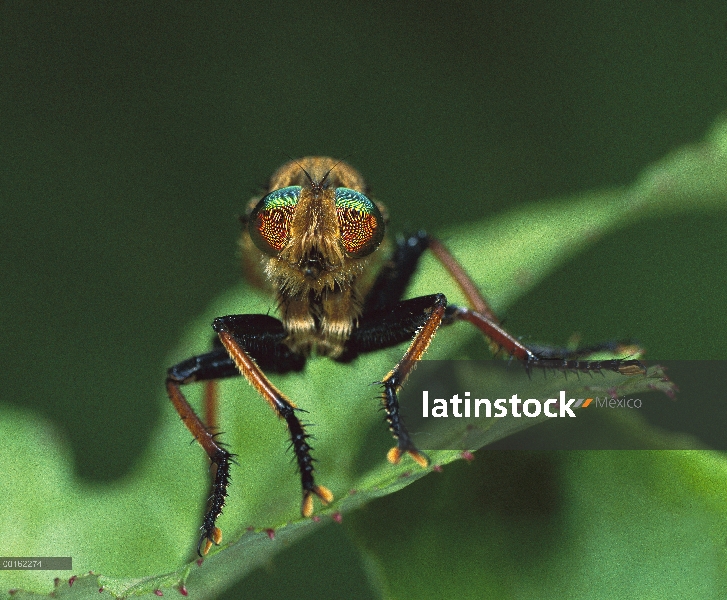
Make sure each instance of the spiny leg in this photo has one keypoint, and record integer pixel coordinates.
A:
(625, 348)
(217, 365)
(417, 318)
(232, 333)
(387, 321)
(263, 335)
(395, 379)
(546, 359)
(211, 420)
(482, 317)
(395, 274)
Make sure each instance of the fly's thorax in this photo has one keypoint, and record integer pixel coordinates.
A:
(320, 324)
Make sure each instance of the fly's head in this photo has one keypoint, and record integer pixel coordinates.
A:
(316, 227)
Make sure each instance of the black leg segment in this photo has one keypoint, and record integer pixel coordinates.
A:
(388, 327)
(395, 275)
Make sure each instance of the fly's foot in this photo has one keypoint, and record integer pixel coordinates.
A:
(213, 536)
(394, 455)
(323, 493)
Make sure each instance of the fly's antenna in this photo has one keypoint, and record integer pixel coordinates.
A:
(331, 169)
(307, 174)
(317, 185)
(334, 166)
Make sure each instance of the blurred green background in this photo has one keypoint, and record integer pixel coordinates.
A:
(133, 134)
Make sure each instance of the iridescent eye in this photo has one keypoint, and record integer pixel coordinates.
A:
(362, 226)
(269, 224)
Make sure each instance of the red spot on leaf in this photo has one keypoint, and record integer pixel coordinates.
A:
(271, 533)
(467, 455)
(337, 517)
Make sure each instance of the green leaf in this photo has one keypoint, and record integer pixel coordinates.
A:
(137, 535)
(555, 525)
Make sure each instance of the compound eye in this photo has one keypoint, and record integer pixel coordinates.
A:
(269, 224)
(362, 226)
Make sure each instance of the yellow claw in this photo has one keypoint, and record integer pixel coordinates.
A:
(217, 535)
(307, 507)
(322, 492)
(394, 456)
(420, 458)
(216, 539)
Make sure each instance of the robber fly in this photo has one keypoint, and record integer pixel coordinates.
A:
(313, 239)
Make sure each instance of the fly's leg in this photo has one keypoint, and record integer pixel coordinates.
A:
(395, 379)
(242, 338)
(233, 332)
(213, 365)
(481, 316)
(387, 321)
(415, 320)
(545, 359)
